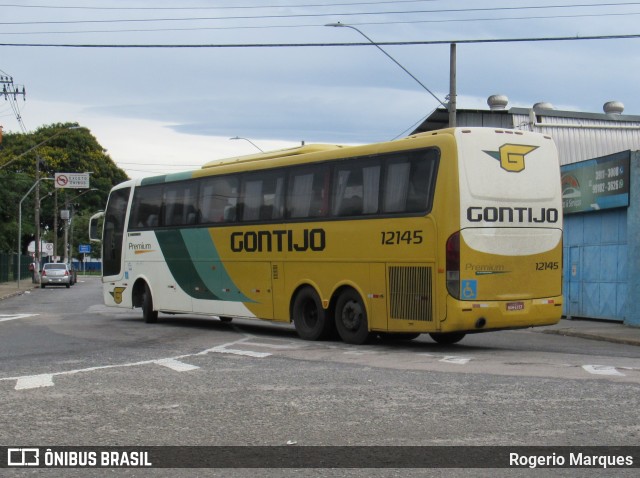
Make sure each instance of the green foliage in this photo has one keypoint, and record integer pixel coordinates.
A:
(62, 150)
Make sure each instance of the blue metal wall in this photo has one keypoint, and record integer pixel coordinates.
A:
(596, 273)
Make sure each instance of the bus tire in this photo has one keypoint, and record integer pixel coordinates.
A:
(447, 338)
(351, 318)
(309, 318)
(150, 316)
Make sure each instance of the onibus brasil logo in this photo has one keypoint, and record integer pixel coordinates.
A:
(511, 156)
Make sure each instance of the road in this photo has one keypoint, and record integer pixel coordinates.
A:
(73, 372)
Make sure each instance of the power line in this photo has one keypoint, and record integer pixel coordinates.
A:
(262, 27)
(317, 45)
(316, 15)
(232, 7)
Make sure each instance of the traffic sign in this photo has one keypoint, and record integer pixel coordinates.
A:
(84, 248)
(72, 180)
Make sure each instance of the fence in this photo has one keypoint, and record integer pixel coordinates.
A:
(9, 267)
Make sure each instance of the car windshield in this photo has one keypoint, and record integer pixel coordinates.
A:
(55, 266)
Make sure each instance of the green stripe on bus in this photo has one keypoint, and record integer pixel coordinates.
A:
(181, 265)
(195, 264)
(208, 264)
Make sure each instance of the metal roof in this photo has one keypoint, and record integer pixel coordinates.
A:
(578, 135)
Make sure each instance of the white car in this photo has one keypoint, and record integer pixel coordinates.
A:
(55, 274)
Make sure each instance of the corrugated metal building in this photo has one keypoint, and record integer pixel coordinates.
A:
(598, 152)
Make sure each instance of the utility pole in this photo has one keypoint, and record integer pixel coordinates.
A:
(452, 86)
(9, 90)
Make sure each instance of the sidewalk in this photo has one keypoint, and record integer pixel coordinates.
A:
(586, 329)
(595, 329)
(10, 289)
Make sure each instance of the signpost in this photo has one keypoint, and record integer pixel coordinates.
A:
(72, 180)
(84, 249)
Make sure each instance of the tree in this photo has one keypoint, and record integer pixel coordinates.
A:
(63, 150)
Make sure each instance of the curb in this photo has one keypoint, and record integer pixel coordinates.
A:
(593, 336)
(15, 293)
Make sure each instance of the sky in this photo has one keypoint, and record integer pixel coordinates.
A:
(231, 70)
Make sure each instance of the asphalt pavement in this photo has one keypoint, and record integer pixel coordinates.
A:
(606, 330)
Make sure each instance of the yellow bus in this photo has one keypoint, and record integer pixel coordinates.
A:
(450, 232)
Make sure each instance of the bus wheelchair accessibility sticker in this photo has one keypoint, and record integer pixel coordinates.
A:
(469, 289)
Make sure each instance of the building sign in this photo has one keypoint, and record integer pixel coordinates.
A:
(600, 183)
(72, 180)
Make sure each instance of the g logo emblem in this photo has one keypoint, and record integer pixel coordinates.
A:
(117, 294)
(511, 156)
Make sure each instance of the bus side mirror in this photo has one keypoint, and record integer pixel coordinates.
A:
(94, 234)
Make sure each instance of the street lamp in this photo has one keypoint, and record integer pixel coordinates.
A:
(246, 139)
(36, 184)
(449, 107)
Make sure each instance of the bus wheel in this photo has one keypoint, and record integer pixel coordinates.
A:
(309, 317)
(447, 338)
(150, 316)
(351, 318)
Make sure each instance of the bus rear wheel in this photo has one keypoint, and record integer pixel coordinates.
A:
(351, 318)
(447, 338)
(150, 316)
(309, 318)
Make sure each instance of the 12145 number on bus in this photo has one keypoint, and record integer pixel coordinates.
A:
(394, 238)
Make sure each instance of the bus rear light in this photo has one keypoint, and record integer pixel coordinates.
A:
(453, 265)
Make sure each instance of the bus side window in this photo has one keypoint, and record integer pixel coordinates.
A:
(356, 189)
(308, 195)
(218, 199)
(262, 196)
(420, 185)
(409, 182)
(145, 211)
(396, 187)
(179, 204)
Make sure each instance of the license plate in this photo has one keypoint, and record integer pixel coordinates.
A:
(511, 306)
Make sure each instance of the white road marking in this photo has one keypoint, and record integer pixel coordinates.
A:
(34, 381)
(222, 349)
(287, 346)
(602, 370)
(26, 382)
(176, 365)
(360, 352)
(455, 359)
(5, 318)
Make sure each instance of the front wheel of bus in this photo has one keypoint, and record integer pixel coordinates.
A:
(447, 338)
(351, 318)
(309, 317)
(150, 316)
